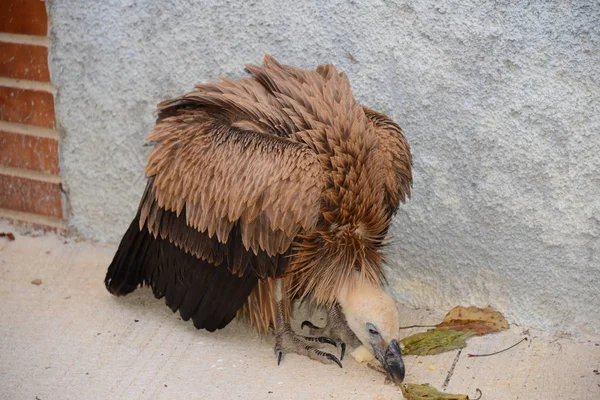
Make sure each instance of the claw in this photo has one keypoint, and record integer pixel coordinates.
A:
(334, 359)
(324, 339)
(309, 324)
(343, 346)
(321, 339)
(279, 355)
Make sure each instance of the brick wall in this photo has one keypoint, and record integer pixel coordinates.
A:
(30, 182)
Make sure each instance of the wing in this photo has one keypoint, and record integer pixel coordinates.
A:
(221, 208)
(222, 175)
(396, 155)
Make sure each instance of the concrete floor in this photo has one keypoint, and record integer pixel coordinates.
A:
(69, 339)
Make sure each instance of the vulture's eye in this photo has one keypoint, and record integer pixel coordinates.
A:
(371, 329)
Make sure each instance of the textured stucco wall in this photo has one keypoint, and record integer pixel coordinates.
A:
(500, 102)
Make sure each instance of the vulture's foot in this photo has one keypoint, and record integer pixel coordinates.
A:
(287, 341)
(336, 329)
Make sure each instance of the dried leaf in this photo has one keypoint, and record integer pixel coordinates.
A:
(427, 392)
(7, 235)
(435, 341)
(474, 319)
(36, 282)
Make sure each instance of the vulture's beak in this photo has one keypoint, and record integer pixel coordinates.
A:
(391, 359)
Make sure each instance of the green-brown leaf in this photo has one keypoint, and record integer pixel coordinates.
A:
(427, 392)
(435, 341)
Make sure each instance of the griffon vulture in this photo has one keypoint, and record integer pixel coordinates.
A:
(266, 189)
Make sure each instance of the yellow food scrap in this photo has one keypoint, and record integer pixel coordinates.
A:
(361, 354)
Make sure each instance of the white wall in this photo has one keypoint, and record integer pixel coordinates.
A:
(500, 102)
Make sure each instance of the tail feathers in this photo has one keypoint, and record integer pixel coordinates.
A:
(126, 271)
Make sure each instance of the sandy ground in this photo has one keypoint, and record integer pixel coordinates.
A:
(67, 338)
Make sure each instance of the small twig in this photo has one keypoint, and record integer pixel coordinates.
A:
(376, 368)
(451, 370)
(497, 352)
(477, 391)
(417, 326)
(379, 369)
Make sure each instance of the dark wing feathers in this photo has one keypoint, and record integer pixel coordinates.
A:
(125, 272)
(189, 284)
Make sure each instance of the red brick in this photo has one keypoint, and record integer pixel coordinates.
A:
(27, 107)
(23, 61)
(25, 17)
(29, 152)
(28, 195)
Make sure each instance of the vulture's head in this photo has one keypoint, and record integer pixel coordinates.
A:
(373, 317)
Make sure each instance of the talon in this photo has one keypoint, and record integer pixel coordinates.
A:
(320, 339)
(343, 346)
(324, 339)
(334, 359)
(309, 324)
(279, 355)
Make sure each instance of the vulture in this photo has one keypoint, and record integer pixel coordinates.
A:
(265, 190)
